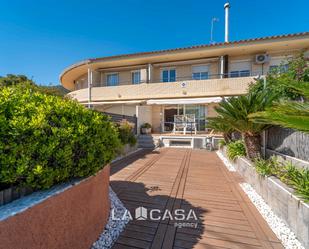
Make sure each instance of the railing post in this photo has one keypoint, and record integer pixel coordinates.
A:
(221, 67)
(89, 86)
(149, 73)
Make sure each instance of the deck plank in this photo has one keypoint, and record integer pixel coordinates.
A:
(187, 179)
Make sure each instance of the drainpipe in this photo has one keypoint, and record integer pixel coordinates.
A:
(222, 67)
(264, 132)
(89, 86)
(149, 73)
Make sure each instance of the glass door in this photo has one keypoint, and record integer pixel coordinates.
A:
(199, 112)
(169, 112)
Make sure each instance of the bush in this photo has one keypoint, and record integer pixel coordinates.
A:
(296, 178)
(126, 133)
(47, 140)
(235, 149)
(222, 143)
(146, 125)
(287, 173)
(266, 167)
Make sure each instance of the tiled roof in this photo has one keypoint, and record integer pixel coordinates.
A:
(203, 46)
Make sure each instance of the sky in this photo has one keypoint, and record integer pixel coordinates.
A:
(42, 38)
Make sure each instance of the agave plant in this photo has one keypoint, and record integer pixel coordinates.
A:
(290, 114)
(218, 124)
(235, 113)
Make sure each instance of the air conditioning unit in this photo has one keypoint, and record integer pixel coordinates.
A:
(261, 58)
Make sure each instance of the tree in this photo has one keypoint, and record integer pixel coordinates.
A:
(218, 124)
(279, 81)
(292, 108)
(235, 113)
(12, 80)
(288, 113)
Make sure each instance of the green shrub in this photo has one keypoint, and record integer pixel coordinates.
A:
(235, 149)
(47, 140)
(266, 167)
(221, 143)
(126, 133)
(297, 179)
(146, 125)
(287, 173)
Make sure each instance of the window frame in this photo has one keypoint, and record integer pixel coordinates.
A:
(200, 72)
(113, 84)
(168, 69)
(132, 77)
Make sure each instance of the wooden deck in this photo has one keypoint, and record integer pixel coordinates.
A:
(188, 179)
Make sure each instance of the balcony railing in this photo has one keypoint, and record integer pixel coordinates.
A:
(235, 74)
(178, 89)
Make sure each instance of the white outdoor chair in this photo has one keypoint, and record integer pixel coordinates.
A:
(179, 123)
(191, 122)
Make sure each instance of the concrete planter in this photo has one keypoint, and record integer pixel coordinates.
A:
(65, 216)
(127, 149)
(281, 198)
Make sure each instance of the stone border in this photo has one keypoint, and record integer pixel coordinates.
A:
(116, 223)
(70, 215)
(282, 231)
(281, 198)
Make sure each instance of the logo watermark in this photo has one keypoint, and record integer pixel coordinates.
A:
(181, 217)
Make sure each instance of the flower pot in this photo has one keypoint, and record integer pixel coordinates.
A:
(146, 130)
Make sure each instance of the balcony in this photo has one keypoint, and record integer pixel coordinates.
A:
(179, 89)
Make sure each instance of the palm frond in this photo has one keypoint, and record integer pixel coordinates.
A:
(235, 111)
(290, 114)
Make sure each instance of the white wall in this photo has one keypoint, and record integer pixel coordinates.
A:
(144, 115)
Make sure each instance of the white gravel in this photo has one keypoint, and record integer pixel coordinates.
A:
(114, 226)
(282, 231)
(226, 162)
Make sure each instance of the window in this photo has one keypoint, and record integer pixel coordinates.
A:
(240, 68)
(136, 77)
(241, 73)
(112, 79)
(168, 75)
(278, 68)
(200, 72)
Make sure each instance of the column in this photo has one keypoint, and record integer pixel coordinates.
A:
(89, 87)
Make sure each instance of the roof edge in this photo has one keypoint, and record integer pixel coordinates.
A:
(157, 52)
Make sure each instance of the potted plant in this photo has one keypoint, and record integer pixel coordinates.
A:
(146, 128)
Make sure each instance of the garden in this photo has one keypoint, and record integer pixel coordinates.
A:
(55, 153)
(278, 101)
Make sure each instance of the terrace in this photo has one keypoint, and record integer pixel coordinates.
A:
(179, 179)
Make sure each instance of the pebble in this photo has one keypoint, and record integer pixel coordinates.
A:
(114, 226)
(282, 231)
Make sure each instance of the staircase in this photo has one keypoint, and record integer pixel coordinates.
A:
(146, 141)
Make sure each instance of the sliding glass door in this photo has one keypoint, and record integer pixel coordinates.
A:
(199, 111)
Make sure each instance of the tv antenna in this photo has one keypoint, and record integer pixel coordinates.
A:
(213, 20)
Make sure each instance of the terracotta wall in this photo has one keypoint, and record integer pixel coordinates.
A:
(72, 219)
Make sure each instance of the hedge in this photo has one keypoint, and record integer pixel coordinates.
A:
(47, 140)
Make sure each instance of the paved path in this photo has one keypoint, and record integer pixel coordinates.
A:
(187, 179)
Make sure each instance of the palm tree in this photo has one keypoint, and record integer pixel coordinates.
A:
(290, 114)
(235, 112)
(218, 124)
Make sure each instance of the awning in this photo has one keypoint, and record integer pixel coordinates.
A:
(128, 102)
(184, 101)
